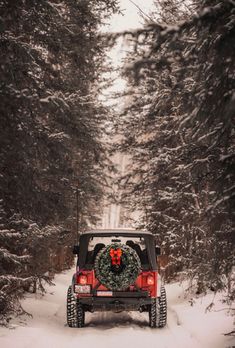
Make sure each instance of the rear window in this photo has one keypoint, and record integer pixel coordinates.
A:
(95, 244)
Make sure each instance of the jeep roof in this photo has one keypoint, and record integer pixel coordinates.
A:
(148, 237)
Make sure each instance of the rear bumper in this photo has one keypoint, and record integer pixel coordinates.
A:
(115, 303)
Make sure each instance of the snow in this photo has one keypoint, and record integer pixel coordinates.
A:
(220, 201)
(188, 326)
(131, 17)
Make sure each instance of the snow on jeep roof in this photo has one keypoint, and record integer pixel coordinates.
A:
(117, 231)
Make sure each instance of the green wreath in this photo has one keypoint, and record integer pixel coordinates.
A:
(117, 266)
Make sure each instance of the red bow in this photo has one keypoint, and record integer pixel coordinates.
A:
(116, 256)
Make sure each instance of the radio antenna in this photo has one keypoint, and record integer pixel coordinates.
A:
(77, 214)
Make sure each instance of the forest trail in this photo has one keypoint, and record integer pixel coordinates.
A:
(187, 326)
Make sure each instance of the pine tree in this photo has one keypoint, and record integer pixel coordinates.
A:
(179, 129)
(52, 125)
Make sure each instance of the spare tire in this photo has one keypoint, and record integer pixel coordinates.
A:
(117, 266)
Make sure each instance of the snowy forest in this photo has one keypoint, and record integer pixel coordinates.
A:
(52, 125)
(177, 126)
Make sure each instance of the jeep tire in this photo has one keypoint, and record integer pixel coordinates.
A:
(71, 308)
(75, 311)
(158, 310)
(80, 315)
(162, 308)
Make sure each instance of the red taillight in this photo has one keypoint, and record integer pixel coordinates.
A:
(82, 279)
(150, 280)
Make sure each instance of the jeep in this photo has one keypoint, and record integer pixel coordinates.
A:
(116, 271)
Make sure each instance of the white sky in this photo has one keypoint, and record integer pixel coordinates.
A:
(131, 18)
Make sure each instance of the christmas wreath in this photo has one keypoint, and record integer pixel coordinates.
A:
(117, 266)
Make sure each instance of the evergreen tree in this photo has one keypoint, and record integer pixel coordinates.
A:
(52, 125)
(179, 131)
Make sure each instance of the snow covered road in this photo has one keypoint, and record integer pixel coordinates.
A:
(187, 327)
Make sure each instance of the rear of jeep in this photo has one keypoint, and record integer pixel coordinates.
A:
(116, 271)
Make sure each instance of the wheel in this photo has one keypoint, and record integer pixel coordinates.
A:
(80, 315)
(162, 308)
(71, 308)
(153, 313)
(75, 311)
(158, 311)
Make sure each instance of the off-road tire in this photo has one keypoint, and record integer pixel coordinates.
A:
(80, 315)
(162, 308)
(153, 313)
(158, 311)
(72, 320)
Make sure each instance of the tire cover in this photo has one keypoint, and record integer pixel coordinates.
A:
(129, 269)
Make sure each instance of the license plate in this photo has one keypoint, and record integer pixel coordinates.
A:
(82, 289)
(104, 293)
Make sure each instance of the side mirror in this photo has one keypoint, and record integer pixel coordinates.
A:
(158, 250)
(76, 249)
